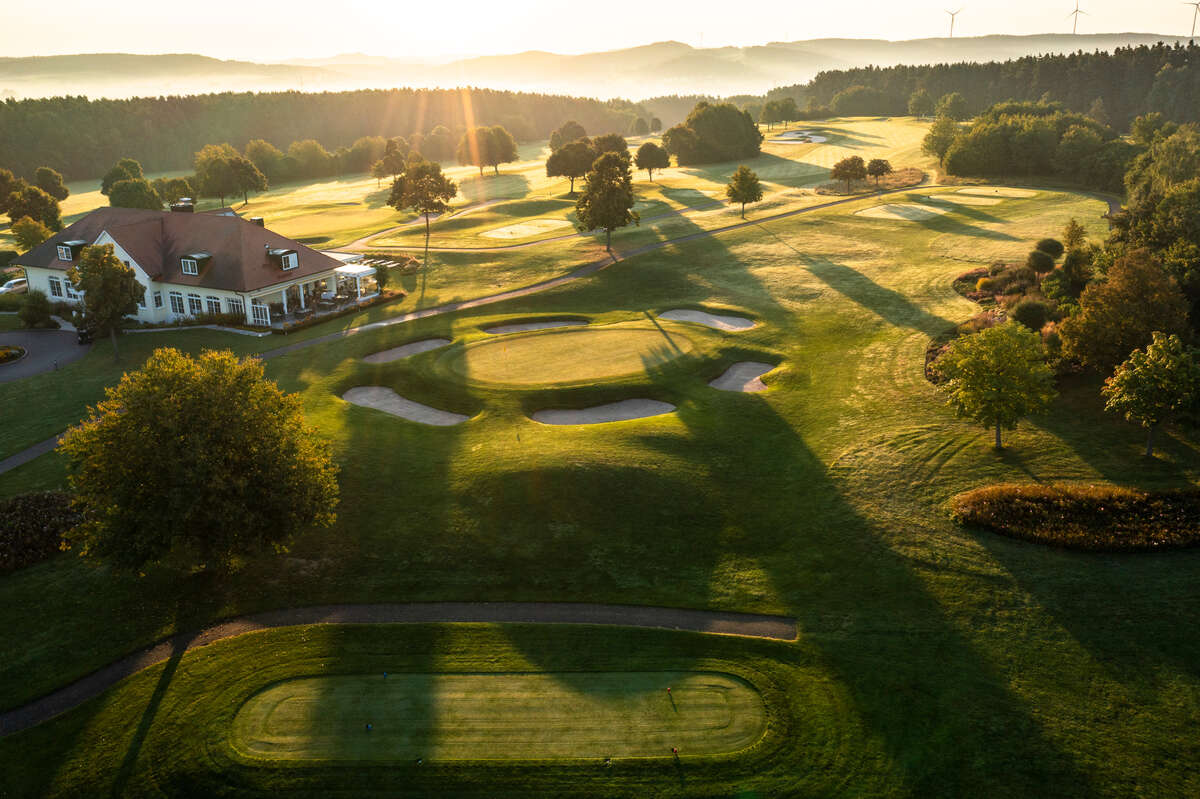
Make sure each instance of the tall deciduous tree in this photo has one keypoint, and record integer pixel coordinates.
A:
(134, 194)
(610, 143)
(1119, 315)
(424, 190)
(267, 157)
(125, 169)
(878, 167)
(571, 161)
(650, 157)
(173, 190)
(1154, 384)
(9, 184)
(941, 135)
(201, 460)
(952, 105)
(214, 171)
(36, 204)
(607, 200)
(849, 169)
(568, 132)
(920, 104)
(51, 182)
(744, 188)
(29, 233)
(247, 177)
(110, 289)
(484, 146)
(655, 124)
(997, 377)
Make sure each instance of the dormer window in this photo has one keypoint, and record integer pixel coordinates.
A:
(193, 262)
(284, 259)
(69, 250)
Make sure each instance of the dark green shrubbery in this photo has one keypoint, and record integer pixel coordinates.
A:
(32, 526)
(35, 310)
(1034, 314)
(1052, 247)
(1093, 518)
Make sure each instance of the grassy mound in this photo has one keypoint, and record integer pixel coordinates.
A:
(1093, 518)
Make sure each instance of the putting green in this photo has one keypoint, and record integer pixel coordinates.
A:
(499, 716)
(569, 355)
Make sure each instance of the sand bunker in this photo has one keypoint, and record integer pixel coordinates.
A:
(743, 376)
(521, 327)
(612, 412)
(996, 191)
(523, 230)
(798, 137)
(905, 212)
(406, 350)
(966, 199)
(388, 401)
(715, 321)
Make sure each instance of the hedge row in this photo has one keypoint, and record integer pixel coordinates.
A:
(32, 526)
(1092, 518)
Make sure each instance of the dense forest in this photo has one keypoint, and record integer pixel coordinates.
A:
(1129, 81)
(82, 138)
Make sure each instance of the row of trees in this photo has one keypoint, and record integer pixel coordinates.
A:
(82, 137)
(713, 133)
(1129, 82)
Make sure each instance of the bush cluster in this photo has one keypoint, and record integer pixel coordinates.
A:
(32, 527)
(1085, 517)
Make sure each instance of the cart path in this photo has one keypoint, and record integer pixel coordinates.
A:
(780, 628)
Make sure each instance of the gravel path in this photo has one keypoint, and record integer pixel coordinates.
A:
(780, 628)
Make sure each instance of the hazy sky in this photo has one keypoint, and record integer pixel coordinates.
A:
(264, 30)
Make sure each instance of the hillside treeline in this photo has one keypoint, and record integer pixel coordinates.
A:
(1129, 81)
(82, 138)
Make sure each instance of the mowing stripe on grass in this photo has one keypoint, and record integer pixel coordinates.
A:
(751, 625)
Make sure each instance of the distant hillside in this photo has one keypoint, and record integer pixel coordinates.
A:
(664, 68)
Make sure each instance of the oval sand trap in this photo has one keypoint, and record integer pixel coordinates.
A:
(966, 199)
(905, 212)
(743, 376)
(521, 327)
(712, 320)
(523, 230)
(498, 716)
(384, 399)
(621, 411)
(996, 191)
(406, 350)
(798, 137)
(567, 356)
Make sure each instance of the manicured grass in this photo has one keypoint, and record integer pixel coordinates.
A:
(570, 356)
(932, 660)
(499, 716)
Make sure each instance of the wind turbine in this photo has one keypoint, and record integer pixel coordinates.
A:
(953, 14)
(1075, 14)
(1195, 13)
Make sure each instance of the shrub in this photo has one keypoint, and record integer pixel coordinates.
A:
(1052, 247)
(1016, 287)
(1040, 261)
(1092, 518)
(35, 310)
(997, 268)
(987, 284)
(32, 526)
(1034, 314)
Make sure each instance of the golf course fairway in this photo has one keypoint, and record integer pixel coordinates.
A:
(499, 716)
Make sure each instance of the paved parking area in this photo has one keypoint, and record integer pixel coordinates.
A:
(47, 350)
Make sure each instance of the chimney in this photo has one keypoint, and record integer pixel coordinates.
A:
(257, 220)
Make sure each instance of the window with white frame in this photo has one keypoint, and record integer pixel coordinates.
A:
(64, 253)
(189, 266)
(141, 299)
(236, 306)
(56, 288)
(177, 303)
(260, 312)
(72, 294)
(194, 306)
(290, 261)
(213, 304)
(158, 301)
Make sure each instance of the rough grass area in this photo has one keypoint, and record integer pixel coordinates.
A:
(1092, 518)
(502, 716)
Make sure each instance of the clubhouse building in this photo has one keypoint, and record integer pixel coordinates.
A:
(203, 264)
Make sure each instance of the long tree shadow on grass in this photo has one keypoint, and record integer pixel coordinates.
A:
(891, 305)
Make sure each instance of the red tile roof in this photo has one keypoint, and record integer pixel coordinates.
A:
(157, 240)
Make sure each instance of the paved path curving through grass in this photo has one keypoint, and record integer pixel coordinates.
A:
(782, 628)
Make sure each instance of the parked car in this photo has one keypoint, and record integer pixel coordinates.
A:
(15, 286)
